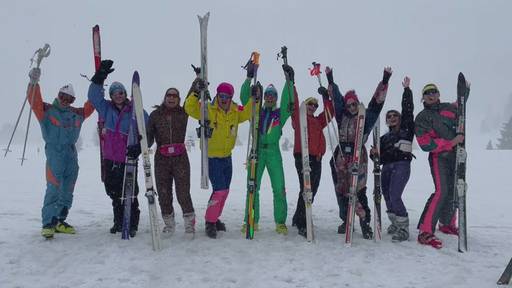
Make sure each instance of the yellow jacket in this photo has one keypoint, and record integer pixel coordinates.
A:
(224, 124)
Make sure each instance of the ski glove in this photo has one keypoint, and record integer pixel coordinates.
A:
(102, 73)
(323, 91)
(288, 73)
(386, 76)
(34, 75)
(197, 70)
(133, 151)
(200, 85)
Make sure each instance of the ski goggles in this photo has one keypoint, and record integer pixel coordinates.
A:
(224, 96)
(430, 92)
(66, 98)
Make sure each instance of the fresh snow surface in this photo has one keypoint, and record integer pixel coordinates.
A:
(95, 258)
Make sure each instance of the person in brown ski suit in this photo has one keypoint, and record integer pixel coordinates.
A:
(167, 127)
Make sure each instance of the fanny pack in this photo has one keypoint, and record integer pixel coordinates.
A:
(171, 150)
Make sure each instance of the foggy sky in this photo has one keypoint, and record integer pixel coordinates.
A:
(430, 41)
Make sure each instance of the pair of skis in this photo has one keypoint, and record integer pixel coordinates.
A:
(460, 164)
(130, 176)
(252, 160)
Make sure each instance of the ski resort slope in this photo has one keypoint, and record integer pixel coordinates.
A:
(95, 258)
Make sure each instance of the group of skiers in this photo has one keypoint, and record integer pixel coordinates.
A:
(167, 124)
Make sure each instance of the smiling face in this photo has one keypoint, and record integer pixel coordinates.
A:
(224, 101)
(270, 100)
(172, 98)
(352, 106)
(118, 97)
(431, 96)
(65, 100)
(392, 119)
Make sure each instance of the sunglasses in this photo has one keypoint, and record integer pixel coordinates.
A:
(224, 96)
(353, 104)
(391, 115)
(313, 104)
(430, 92)
(171, 95)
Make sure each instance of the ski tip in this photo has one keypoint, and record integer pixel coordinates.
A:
(96, 27)
(461, 77)
(205, 17)
(136, 78)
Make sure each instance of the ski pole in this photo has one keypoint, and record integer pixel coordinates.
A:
(39, 55)
(315, 71)
(284, 55)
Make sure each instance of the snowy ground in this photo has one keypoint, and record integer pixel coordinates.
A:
(96, 258)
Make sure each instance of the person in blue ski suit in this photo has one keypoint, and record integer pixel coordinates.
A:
(117, 115)
(60, 125)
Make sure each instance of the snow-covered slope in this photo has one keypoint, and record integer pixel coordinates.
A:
(96, 258)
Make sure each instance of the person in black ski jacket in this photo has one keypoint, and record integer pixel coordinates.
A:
(395, 157)
(436, 133)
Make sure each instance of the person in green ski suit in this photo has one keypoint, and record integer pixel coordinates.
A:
(271, 122)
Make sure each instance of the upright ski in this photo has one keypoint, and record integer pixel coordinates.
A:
(507, 274)
(253, 155)
(460, 163)
(96, 46)
(150, 191)
(307, 194)
(377, 190)
(130, 176)
(204, 128)
(354, 170)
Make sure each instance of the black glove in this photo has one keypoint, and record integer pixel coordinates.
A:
(197, 70)
(133, 151)
(200, 84)
(385, 77)
(288, 72)
(330, 80)
(102, 73)
(251, 69)
(323, 91)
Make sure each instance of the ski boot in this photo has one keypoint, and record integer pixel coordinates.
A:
(189, 220)
(133, 231)
(281, 229)
(366, 230)
(116, 228)
(392, 228)
(244, 227)
(342, 229)
(402, 233)
(303, 232)
(220, 226)
(449, 229)
(65, 228)
(426, 238)
(48, 231)
(211, 230)
(170, 225)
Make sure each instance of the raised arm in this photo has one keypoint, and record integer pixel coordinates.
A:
(407, 118)
(377, 102)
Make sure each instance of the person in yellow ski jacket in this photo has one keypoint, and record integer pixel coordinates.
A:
(224, 116)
